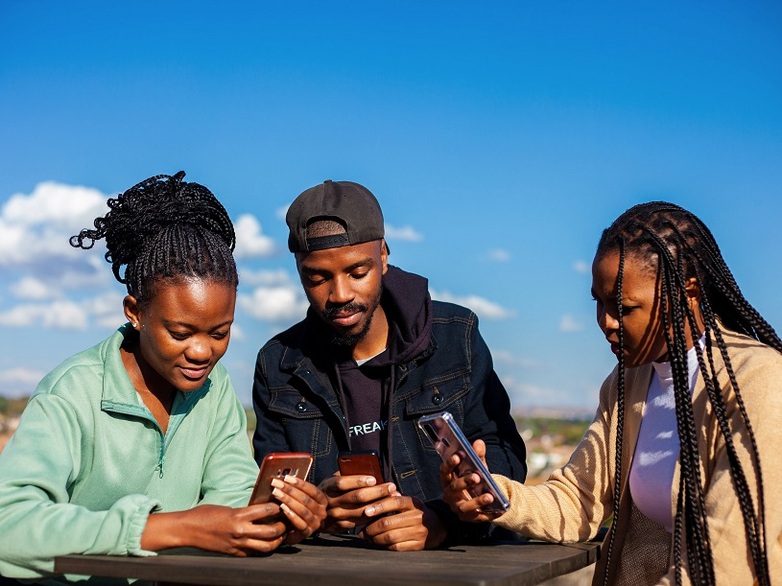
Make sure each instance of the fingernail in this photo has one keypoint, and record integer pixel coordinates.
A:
(369, 511)
(277, 493)
(277, 482)
(371, 480)
(290, 479)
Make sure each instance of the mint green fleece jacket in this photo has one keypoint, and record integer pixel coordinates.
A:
(88, 462)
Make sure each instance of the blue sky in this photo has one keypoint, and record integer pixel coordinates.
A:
(499, 137)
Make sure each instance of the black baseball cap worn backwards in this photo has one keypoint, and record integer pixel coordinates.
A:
(345, 202)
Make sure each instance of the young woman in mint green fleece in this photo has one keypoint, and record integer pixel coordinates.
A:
(140, 444)
(684, 451)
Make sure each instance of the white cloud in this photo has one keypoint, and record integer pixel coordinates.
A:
(508, 359)
(59, 314)
(484, 308)
(407, 233)
(250, 240)
(499, 255)
(281, 303)
(265, 278)
(37, 226)
(106, 309)
(237, 333)
(529, 393)
(581, 266)
(33, 289)
(21, 375)
(568, 323)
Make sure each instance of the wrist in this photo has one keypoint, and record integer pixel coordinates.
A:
(166, 530)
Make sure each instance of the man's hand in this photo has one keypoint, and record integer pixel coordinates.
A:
(304, 505)
(348, 496)
(455, 489)
(405, 524)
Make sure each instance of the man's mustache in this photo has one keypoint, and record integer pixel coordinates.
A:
(352, 307)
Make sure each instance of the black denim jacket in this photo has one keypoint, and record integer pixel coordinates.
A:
(298, 408)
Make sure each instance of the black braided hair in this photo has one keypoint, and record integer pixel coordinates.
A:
(164, 228)
(678, 246)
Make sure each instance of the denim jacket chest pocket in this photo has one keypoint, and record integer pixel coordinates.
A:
(436, 395)
(306, 421)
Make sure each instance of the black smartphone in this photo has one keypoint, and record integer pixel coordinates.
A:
(448, 439)
(362, 463)
(279, 465)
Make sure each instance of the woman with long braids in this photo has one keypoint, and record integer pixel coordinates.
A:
(684, 452)
(140, 444)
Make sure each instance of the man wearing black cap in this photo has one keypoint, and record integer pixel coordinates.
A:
(373, 355)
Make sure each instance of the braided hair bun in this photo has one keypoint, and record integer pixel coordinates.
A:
(164, 227)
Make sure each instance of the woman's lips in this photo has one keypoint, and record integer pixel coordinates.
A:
(194, 373)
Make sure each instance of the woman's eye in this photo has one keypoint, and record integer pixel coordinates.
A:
(179, 335)
(219, 335)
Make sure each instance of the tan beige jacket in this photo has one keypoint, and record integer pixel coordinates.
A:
(573, 503)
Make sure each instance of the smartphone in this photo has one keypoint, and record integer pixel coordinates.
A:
(279, 465)
(448, 439)
(366, 463)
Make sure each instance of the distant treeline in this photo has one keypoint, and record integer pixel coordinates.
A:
(567, 431)
(12, 407)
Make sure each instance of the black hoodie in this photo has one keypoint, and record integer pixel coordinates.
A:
(365, 390)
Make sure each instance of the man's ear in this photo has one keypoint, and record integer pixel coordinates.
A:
(132, 311)
(384, 255)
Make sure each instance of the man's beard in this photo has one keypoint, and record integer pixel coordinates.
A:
(348, 339)
(343, 339)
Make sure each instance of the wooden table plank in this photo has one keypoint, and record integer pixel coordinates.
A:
(333, 561)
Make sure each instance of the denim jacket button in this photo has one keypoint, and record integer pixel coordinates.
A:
(437, 399)
(301, 406)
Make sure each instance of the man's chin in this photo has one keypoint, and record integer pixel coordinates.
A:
(346, 339)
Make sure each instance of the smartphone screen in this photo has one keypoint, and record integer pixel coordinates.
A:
(279, 465)
(365, 463)
(448, 439)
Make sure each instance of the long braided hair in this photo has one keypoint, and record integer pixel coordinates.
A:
(680, 246)
(164, 228)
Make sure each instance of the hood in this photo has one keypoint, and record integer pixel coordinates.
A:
(408, 305)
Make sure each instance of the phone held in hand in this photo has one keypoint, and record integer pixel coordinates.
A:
(360, 463)
(279, 465)
(448, 439)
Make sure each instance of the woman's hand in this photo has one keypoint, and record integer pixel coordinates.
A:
(303, 504)
(239, 532)
(456, 489)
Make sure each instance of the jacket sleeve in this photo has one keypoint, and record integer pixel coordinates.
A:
(487, 413)
(37, 522)
(229, 469)
(487, 416)
(269, 435)
(575, 500)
